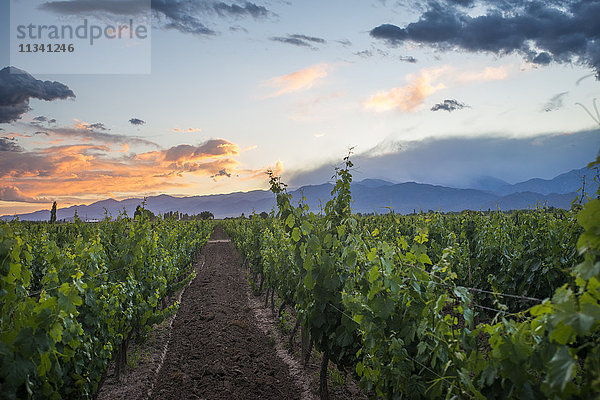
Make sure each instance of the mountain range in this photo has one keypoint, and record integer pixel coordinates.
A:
(369, 196)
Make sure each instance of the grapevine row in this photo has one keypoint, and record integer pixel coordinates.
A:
(474, 305)
(73, 295)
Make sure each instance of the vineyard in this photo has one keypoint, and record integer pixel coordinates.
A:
(72, 296)
(469, 305)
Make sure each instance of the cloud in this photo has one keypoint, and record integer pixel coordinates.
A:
(485, 75)
(99, 126)
(238, 28)
(11, 193)
(17, 87)
(299, 80)
(457, 161)
(186, 153)
(86, 7)
(181, 16)
(247, 9)
(92, 132)
(425, 83)
(555, 103)
(9, 144)
(559, 31)
(75, 170)
(449, 105)
(408, 59)
(185, 15)
(463, 3)
(410, 96)
(364, 53)
(299, 40)
(136, 121)
(188, 130)
(41, 118)
(222, 172)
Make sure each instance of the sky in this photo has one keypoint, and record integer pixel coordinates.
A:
(217, 92)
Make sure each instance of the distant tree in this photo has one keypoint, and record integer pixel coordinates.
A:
(172, 215)
(53, 213)
(139, 210)
(264, 215)
(206, 215)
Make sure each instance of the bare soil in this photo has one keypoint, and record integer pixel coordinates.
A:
(222, 344)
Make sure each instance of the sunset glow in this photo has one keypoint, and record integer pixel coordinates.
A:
(235, 91)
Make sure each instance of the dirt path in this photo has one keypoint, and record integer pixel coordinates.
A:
(216, 349)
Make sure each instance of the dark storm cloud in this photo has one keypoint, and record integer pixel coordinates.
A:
(187, 16)
(136, 121)
(449, 105)
(542, 31)
(78, 7)
(299, 40)
(181, 16)
(463, 3)
(457, 161)
(555, 103)
(17, 87)
(7, 144)
(247, 9)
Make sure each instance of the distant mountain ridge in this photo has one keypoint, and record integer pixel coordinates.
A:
(369, 195)
(568, 182)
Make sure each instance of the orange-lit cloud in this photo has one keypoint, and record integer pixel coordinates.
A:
(427, 82)
(277, 170)
(299, 80)
(98, 170)
(410, 96)
(11, 193)
(12, 135)
(487, 74)
(189, 130)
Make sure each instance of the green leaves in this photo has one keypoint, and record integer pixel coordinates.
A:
(70, 293)
(561, 369)
(438, 305)
(296, 234)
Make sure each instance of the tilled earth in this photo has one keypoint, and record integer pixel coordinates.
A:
(216, 350)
